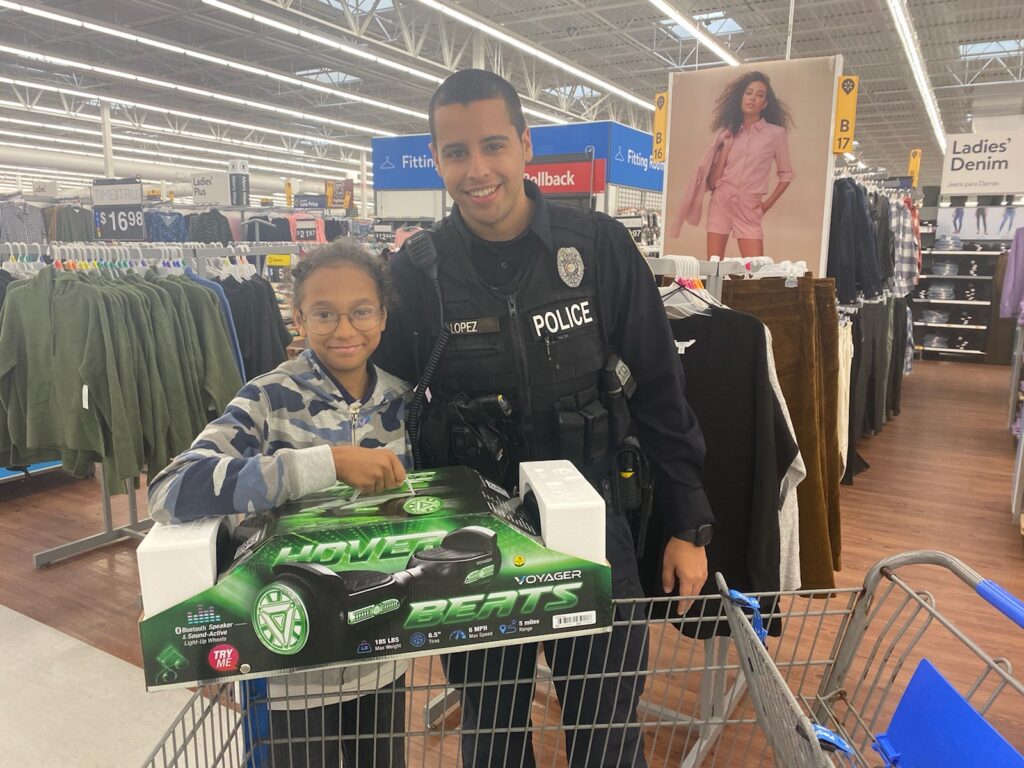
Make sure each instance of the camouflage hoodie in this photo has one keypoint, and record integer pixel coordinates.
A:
(271, 445)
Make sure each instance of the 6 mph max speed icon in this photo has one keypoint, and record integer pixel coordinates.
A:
(280, 619)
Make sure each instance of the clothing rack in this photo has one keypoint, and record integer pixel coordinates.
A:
(195, 255)
(135, 529)
(713, 273)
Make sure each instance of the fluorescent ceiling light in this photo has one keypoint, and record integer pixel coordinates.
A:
(342, 47)
(301, 164)
(203, 56)
(61, 62)
(181, 113)
(544, 56)
(697, 31)
(905, 30)
(199, 163)
(850, 157)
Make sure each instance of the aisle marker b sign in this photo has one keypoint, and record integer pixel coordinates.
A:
(846, 113)
(660, 127)
(914, 166)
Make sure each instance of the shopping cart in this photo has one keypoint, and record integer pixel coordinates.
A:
(889, 635)
(842, 658)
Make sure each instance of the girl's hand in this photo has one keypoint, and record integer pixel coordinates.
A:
(371, 470)
(764, 206)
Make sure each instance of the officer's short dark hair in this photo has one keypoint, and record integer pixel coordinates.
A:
(469, 85)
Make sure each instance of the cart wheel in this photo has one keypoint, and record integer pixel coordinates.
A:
(284, 614)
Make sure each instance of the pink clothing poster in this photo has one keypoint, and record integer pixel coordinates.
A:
(749, 161)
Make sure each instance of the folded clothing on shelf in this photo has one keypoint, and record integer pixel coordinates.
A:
(948, 243)
(945, 268)
(941, 290)
(938, 340)
(934, 316)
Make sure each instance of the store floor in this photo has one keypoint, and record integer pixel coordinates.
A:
(939, 479)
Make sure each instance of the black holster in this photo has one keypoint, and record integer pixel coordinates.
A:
(632, 486)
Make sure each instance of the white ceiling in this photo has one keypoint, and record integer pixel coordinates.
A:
(319, 54)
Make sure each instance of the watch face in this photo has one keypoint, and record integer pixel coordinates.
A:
(704, 535)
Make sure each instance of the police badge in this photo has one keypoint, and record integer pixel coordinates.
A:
(570, 267)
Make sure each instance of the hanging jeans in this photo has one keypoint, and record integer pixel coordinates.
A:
(869, 389)
(894, 391)
(791, 316)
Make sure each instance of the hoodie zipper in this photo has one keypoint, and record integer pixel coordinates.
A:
(524, 376)
(354, 414)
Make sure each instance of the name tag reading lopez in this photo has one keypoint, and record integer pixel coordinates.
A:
(468, 327)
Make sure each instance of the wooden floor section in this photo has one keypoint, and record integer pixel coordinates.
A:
(939, 479)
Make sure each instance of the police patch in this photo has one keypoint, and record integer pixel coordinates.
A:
(570, 267)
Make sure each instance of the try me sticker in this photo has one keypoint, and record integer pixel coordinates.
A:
(223, 658)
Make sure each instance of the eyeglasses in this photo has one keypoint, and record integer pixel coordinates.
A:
(323, 321)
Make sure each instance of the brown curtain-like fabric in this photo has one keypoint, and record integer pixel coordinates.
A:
(828, 414)
(810, 385)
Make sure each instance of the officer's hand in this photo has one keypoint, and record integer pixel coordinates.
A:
(686, 564)
(371, 470)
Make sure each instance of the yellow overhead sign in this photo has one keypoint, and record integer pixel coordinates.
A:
(846, 113)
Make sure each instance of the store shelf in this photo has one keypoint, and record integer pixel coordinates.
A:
(930, 252)
(952, 325)
(7, 475)
(956, 277)
(949, 351)
(975, 303)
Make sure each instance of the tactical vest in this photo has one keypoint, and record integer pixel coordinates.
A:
(542, 346)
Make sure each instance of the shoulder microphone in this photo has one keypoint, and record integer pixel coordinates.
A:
(423, 254)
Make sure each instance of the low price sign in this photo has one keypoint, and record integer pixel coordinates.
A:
(117, 209)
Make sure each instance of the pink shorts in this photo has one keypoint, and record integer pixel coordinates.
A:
(733, 213)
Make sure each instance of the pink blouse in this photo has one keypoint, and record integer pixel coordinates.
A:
(750, 159)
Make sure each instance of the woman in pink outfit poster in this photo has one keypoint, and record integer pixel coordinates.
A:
(748, 170)
(751, 125)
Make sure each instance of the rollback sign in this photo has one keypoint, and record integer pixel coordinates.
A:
(989, 163)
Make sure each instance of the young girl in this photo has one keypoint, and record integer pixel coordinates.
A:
(750, 124)
(328, 415)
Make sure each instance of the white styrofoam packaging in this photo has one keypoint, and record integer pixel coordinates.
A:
(177, 562)
(572, 512)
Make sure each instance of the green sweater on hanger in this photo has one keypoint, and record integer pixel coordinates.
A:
(59, 380)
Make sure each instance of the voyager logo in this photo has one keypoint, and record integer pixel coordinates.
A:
(544, 578)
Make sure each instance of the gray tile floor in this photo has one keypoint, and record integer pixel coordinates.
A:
(66, 704)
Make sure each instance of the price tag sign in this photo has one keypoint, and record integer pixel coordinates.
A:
(305, 230)
(384, 233)
(120, 222)
(117, 209)
(280, 259)
(635, 225)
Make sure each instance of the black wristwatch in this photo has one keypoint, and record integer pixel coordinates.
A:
(700, 537)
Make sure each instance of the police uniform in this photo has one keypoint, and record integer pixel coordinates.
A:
(535, 319)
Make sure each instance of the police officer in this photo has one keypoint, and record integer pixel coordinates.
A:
(536, 296)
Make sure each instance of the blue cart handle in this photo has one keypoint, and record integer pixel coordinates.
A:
(745, 601)
(1007, 604)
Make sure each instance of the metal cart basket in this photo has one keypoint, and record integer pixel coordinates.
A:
(841, 658)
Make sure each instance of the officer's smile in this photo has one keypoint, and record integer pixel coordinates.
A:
(484, 194)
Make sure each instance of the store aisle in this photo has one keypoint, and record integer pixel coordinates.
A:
(65, 703)
(940, 478)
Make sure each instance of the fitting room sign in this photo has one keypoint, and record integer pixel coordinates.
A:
(990, 163)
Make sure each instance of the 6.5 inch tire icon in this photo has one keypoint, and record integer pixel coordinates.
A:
(280, 616)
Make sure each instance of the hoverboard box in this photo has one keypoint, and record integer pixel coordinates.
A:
(450, 563)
